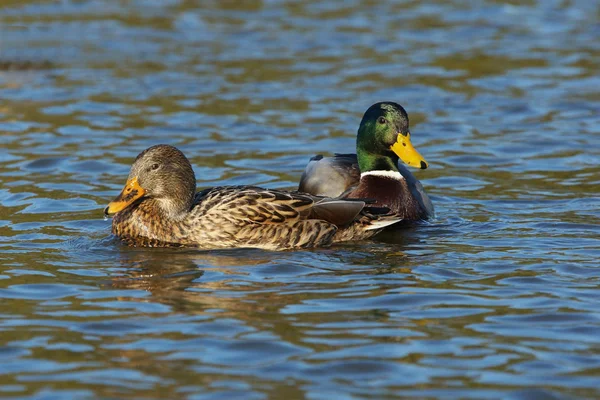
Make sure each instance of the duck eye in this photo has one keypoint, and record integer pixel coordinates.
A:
(382, 120)
(155, 166)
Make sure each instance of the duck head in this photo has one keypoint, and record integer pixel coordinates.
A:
(161, 173)
(383, 137)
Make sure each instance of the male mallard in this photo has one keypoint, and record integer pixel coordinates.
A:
(374, 173)
(159, 207)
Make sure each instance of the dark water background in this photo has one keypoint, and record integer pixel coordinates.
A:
(499, 297)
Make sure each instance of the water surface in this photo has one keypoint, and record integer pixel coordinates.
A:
(495, 298)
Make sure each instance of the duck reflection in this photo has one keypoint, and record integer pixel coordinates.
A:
(257, 286)
(174, 276)
(217, 284)
(306, 299)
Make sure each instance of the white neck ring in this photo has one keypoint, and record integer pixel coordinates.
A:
(384, 174)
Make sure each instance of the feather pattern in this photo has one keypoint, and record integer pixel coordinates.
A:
(383, 139)
(244, 216)
(405, 197)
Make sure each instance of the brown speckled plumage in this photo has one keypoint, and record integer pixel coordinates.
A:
(234, 216)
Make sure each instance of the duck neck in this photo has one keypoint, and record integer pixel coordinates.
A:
(372, 154)
(174, 211)
(176, 205)
(370, 163)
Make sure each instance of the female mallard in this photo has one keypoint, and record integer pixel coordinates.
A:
(374, 173)
(159, 207)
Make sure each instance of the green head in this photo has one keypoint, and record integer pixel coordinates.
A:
(383, 137)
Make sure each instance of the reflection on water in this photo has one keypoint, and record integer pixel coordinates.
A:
(495, 298)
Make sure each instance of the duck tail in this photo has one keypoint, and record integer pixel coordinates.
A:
(382, 223)
(370, 222)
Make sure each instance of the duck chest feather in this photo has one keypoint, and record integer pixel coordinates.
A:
(391, 193)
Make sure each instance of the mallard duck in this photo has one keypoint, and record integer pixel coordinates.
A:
(374, 172)
(159, 207)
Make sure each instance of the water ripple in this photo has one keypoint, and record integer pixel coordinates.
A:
(495, 298)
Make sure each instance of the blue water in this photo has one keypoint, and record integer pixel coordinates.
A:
(496, 298)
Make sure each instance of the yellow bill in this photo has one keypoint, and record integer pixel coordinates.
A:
(407, 153)
(130, 193)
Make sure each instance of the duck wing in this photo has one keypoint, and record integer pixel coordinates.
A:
(257, 205)
(339, 175)
(277, 220)
(330, 176)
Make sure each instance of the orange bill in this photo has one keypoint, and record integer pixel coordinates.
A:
(407, 153)
(130, 193)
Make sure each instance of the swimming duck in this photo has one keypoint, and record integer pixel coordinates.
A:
(374, 172)
(159, 207)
